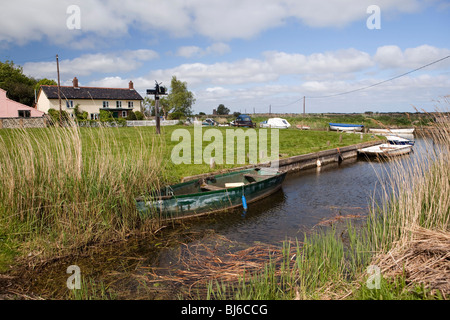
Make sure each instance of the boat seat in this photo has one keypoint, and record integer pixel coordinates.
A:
(210, 187)
(253, 176)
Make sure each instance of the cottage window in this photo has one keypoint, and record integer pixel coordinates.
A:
(130, 104)
(24, 113)
(94, 116)
(105, 104)
(69, 104)
(124, 114)
(119, 104)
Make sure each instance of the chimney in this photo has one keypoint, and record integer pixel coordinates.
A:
(130, 85)
(75, 82)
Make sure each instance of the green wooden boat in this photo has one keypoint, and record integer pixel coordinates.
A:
(211, 194)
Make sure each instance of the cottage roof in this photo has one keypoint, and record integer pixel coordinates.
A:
(73, 93)
(10, 108)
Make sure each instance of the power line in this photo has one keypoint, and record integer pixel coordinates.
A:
(367, 87)
(381, 82)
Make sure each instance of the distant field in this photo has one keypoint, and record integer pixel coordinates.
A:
(375, 120)
(292, 142)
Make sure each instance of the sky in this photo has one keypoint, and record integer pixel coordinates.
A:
(250, 55)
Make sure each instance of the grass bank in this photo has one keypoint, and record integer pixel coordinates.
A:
(401, 252)
(65, 188)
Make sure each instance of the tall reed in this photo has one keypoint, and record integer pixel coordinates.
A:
(65, 187)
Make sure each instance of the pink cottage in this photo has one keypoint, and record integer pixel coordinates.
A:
(13, 109)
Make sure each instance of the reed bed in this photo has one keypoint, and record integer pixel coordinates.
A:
(423, 260)
(410, 229)
(67, 187)
(200, 264)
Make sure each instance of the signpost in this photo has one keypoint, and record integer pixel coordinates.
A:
(158, 91)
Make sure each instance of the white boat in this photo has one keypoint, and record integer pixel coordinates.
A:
(399, 140)
(277, 123)
(345, 127)
(386, 150)
(393, 131)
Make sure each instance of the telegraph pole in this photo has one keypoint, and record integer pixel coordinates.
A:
(159, 90)
(304, 106)
(59, 91)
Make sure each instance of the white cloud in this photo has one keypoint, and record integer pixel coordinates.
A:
(218, 48)
(22, 21)
(273, 66)
(88, 64)
(393, 57)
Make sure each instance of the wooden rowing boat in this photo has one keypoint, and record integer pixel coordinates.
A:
(212, 194)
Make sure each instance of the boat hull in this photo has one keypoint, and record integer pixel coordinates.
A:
(399, 140)
(207, 202)
(345, 127)
(395, 131)
(385, 150)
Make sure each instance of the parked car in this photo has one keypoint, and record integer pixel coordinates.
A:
(243, 120)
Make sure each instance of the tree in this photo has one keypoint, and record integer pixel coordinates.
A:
(79, 114)
(56, 118)
(131, 116)
(222, 110)
(19, 87)
(180, 98)
(139, 115)
(44, 82)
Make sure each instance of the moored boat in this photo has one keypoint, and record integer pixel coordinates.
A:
(399, 140)
(392, 130)
(346, 127)
(275, 123)
(211, 194)
(385, 150)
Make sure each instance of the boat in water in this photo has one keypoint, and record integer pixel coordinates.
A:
(211, 194)
(346, 127)
(393, 131)
(399, 140)
(385, 150)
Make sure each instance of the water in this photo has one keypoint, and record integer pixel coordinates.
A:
(306, 201)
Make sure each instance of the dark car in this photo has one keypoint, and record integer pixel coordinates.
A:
(244, 120)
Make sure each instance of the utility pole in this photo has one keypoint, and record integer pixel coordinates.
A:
(59, 90)
(304, 109)
(270, 109)
(159, 90)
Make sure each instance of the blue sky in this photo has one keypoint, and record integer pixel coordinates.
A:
(247, 54)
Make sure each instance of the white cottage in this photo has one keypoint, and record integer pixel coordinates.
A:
(120, 101)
